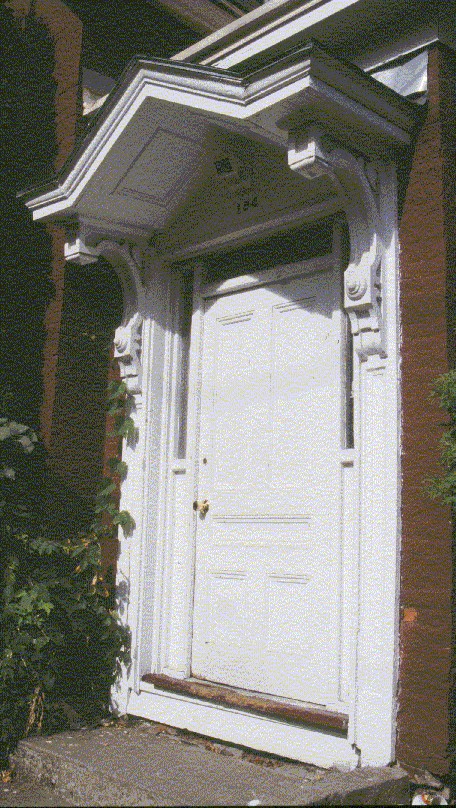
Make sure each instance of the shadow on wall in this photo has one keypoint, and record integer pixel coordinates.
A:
(92, 309)
(92, 303)
(28, 145)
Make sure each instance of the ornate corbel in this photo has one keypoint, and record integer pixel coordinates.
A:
(126, 261)
(312, 154)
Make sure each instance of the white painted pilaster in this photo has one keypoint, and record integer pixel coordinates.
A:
(378, 429)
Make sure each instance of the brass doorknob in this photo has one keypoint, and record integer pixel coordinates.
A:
(201, 505)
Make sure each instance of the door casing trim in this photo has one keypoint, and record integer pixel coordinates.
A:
(366, 480)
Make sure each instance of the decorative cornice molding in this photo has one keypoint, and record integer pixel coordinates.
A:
(228, 46)
(357, 184)
(305, 82)
(126, 262)
(127, 351)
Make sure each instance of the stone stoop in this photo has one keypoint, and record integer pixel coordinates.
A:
(143, 763)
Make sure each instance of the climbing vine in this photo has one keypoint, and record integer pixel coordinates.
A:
(107, 513)
(61, 639)
(443, 487)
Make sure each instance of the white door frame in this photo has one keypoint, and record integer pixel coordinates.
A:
(158, 610)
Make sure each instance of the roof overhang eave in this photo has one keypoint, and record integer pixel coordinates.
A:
(286, 93)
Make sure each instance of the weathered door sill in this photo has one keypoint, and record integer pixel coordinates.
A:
(231, 697)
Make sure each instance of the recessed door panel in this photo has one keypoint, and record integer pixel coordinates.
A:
(267, 588)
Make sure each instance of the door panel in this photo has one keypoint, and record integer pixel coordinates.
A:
(267, 589)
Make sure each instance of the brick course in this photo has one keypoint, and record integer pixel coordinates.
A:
(425, 640)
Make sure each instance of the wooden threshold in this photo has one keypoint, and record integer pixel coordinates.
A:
(230, 697)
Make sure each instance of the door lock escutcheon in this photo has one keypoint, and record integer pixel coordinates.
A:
(201, 505)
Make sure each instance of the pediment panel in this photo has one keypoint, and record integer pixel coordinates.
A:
(187, 179)
(242, 182)
(162, 168)
(149, 170)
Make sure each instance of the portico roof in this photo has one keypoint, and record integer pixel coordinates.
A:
(152, 141)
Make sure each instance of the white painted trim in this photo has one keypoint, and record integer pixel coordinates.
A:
(377, 429)
(258, 102)
(282, 222)
(390, 57)
(179, 467)
(142, 487)
(371, 482)
(235, 726)
(370, 559)
(162, 494)
(358, 183)
(174, 484)
(280, 20)
(273, 22)
(193, 430)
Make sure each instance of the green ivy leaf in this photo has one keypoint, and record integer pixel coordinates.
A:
(107, 489)
(116, 409)
(126, 521)
(126, 428)
(121, 468)
(116, 389)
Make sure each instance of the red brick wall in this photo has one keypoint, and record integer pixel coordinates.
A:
(66, 32)
(92, 308)
(79, 324)
(52, 324)
(426, 568)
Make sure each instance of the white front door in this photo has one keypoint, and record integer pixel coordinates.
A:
(267, 606)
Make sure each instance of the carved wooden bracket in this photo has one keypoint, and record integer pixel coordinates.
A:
(357, 184)
(126, 261)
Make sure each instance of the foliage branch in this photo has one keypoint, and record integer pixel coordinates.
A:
(61, 642)
(443, 488)
(107, 513)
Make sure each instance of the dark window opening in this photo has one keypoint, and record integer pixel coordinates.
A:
(299, 244)
(183, 319)
(348, 404)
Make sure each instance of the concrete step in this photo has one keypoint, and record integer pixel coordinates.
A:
(22, 792)
(142, 763)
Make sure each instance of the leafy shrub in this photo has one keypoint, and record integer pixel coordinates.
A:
(61, 642)
(444, 489)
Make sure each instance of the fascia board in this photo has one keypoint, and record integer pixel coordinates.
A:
(348, 79)
(221, 96)
(322, 98)
(264, 27)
